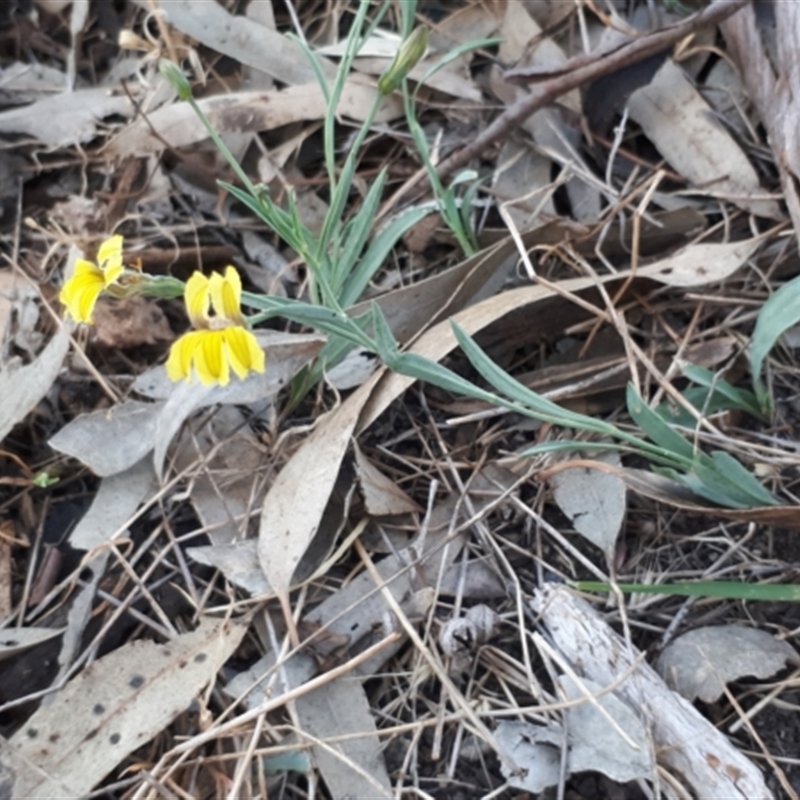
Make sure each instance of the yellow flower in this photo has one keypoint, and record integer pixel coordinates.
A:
(221, 342)
(79, 294)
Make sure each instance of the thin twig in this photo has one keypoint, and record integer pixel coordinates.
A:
(575, 73)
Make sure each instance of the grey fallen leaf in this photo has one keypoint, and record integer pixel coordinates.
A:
(536, 749)
(695, 663)
(238, 562)
(596, 746)
(137, 427)
(229, 487)
(352, 370)
(130, 425)
(475, 580)
(15, 640)
(79, 615)
(682, 126)
(382, 496)
(594, 501)
(261, 680)
(114, 504)
(67, 117)
(113, 707)
(248, 42)
(353, 767)
(292, 511)
(21, 388)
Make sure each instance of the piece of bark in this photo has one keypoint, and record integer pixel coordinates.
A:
(685, 741)
(771, 78)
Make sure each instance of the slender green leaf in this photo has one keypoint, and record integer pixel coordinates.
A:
(655, 427)
(780, 312)
(575, 446)
(703, 399)
(728, 590)
(276, 218)
(737, 398)
(408, 10)
(377, 251)
(355, 235)
(725, 464)
(385, 342)
(457, 52)
(705, 489)
(504, 383)
(313, 59)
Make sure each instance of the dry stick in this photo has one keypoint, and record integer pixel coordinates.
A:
(573, 74)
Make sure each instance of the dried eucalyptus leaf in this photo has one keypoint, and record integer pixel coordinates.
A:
(699, 662)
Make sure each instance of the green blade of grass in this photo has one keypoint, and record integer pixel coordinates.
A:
(780, 312)
(737, 398)
(654, 426)
(377, 251)
(729, 590)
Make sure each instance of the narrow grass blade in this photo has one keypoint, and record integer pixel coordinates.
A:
(706, 489)
(655, 427)
(736, 398)
(780, 312)
(377, 251)
(355, 235)
(729, 590)
(512, 388)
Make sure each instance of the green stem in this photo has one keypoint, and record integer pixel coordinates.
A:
(223, 148)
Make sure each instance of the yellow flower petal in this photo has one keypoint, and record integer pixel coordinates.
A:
(179, 363)
(243, 351)
(197, 298)
(212, 355)
(210, 362)
(79, 294)
(226, 295)
(109, 258)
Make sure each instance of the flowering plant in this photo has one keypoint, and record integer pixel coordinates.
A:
(341, 261)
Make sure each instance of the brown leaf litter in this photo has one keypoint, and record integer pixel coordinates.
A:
(366, 594)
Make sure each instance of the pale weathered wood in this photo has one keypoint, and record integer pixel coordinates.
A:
(685, 742)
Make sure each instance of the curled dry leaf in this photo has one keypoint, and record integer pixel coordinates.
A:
(485, 621)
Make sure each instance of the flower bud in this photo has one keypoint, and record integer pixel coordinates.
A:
(410, 52)
(176, 78)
